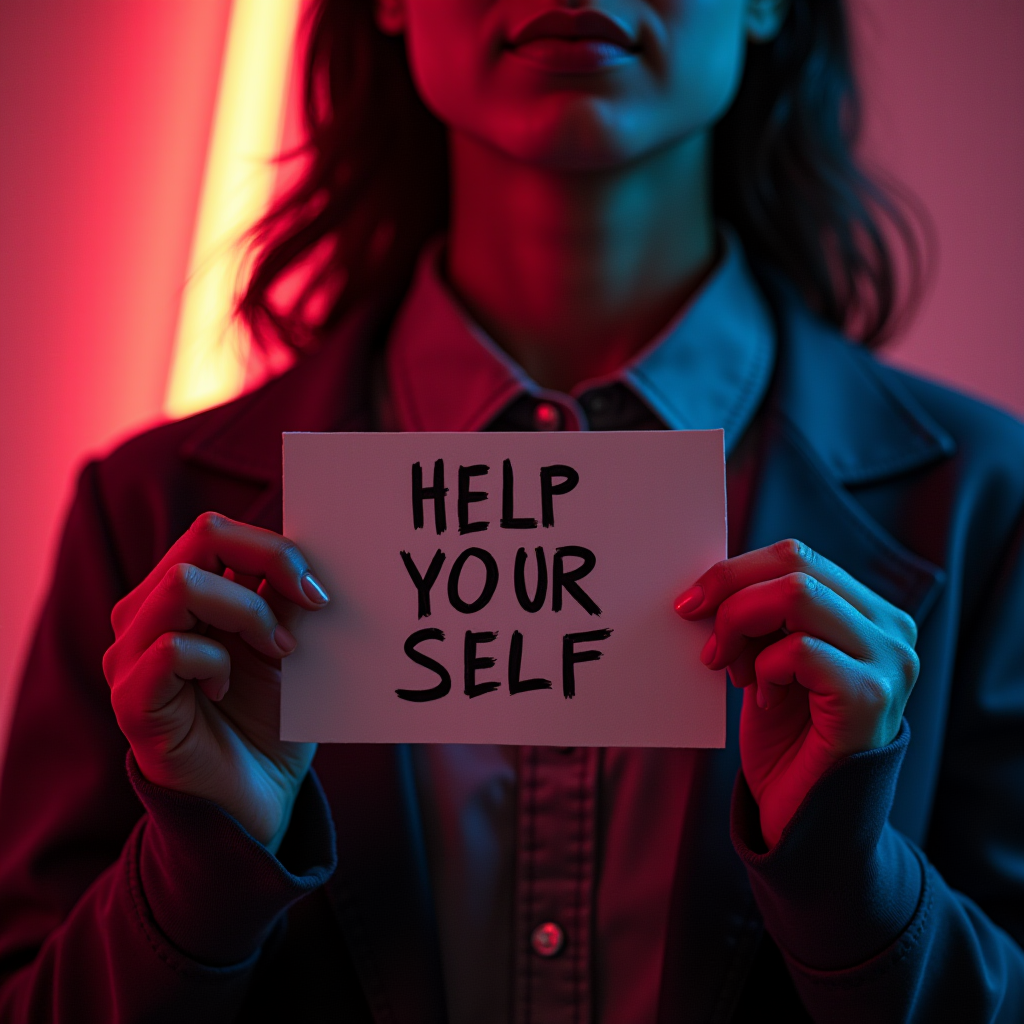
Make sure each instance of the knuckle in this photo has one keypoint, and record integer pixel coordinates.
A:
(289, 551)
(801, 586)
(807, 646)
(900, 652)
(119, 614)
(117, 703)
(169, 649)
(208, 524)
(256, 607)
(722, 577)
(109, 665)
(907, 626)
(910, 666)
(181, 577)
(793, 552)
(876, 695)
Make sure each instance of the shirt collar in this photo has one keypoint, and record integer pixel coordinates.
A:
(708, 368)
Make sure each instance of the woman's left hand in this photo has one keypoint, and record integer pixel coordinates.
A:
(827, 665)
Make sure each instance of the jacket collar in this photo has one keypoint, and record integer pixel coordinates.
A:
(851, 411)
(327, 390)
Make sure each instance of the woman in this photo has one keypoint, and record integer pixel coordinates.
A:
(654, 222)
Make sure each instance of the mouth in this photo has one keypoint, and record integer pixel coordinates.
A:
(573, 42)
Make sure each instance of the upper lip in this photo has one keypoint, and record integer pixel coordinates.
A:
(576, 24)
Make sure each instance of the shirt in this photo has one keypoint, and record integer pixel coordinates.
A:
(552, 868)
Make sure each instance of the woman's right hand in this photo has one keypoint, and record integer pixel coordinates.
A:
(195, 670)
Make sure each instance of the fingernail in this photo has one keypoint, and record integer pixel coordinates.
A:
(708, 654)
(313, 589)
(689, 600)
(284, 640)
(762, 700)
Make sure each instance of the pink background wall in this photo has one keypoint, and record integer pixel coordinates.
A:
(944, 83)
(105, 110)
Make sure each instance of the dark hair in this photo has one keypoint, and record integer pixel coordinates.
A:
(373, 185)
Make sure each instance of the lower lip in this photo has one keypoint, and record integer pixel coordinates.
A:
(573, 56)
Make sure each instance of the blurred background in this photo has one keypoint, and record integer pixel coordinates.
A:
(133, 143)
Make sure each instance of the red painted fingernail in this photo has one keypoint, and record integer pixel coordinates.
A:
(708, 654)
(689, 601)
(762, 700)
(313, 589)
(284, 640)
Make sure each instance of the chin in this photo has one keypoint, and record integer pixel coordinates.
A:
(579, 135)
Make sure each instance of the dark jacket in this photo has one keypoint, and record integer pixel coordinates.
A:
(897, 892)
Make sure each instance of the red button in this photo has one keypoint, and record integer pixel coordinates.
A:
(547, 416)
(547, 939)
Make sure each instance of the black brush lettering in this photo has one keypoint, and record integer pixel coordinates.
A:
(515, 667)
(467, 497)
(508, 516)
(490, 582)
(571, 657)
(527, 603)
(548, 489)
(444, 686)
(423, 583)
(560, 579)
(473, 663)
(421, 494)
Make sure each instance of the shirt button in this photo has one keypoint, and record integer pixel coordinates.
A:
(547, 939)
(547, 416)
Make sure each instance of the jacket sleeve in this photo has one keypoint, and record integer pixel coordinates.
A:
(119, 900)
(871, 927)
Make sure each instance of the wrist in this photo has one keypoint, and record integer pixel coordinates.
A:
(260, 797)
(840, 884)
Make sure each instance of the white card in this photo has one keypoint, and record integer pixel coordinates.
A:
(587, 649)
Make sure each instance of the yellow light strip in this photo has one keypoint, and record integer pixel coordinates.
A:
(211, 352)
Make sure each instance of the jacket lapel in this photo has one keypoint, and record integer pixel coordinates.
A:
(835, 420)
(798, 497)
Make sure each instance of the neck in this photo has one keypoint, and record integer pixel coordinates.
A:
(573, 273)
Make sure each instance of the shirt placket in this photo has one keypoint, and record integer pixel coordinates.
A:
(554, 888)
